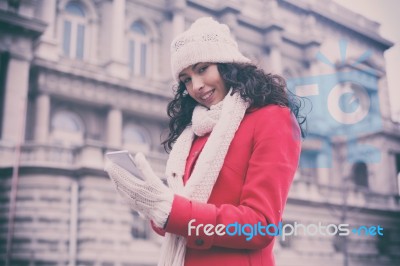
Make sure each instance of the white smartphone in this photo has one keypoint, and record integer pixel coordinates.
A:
(125, 160)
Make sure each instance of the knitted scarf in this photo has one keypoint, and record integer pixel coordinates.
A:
(222, 120)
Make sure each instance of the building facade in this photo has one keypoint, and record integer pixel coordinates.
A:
(79, 78)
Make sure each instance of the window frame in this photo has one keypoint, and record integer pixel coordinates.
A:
(67, 137)
(75, 22)
(139, 67)
(132, 144)
(90, 52)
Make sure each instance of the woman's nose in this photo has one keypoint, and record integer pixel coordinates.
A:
(198, 83)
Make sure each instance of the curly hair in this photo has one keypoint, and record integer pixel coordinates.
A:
(253, 84)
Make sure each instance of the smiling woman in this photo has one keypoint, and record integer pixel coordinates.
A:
(234, 147)
(204, 83)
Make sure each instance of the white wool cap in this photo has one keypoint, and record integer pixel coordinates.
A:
(205, 41)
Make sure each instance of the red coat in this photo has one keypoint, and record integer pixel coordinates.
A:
(252, 187)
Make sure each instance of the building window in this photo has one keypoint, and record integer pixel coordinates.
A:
(66, 121)
(397, 155)
(138, 49)
(4, 59)
(139, 227)
(67, 128)
(359, 174)
(384, 242)
(308, 166)
(74, 30)
(133, 133)
(135, 137)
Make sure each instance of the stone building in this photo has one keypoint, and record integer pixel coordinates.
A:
(79, 78)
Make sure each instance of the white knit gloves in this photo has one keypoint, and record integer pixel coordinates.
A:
(150, 197)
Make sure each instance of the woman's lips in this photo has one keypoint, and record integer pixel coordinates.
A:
(208, 95)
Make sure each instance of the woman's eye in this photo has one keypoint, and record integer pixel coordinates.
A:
(185, 80)
(202, 69)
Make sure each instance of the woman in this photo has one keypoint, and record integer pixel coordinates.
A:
(235, 146)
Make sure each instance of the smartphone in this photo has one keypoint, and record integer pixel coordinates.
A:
(125, 160)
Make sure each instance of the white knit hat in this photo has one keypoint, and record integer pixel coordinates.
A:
(205, 41)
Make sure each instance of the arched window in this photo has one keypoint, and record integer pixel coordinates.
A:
(66, 121)
(67, 128)
(74, 30)
(397, 156)
(135, 137)
(135, 134)
(360, 174)
(139, 49)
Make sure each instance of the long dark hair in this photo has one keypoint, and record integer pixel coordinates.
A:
(253, 84)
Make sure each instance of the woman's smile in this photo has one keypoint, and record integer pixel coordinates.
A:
(208, 95)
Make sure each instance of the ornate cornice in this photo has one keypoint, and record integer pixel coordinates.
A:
(21, 25)
(101, 93)
(343, 17)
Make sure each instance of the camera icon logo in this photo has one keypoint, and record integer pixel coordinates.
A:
(342, 106)
(348, 103)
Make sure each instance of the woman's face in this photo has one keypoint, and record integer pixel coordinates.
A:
(204, 83)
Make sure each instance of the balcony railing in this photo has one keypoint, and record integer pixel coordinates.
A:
(90, 155)
(344, 195)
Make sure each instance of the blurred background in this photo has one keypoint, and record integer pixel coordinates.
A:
(79, 78)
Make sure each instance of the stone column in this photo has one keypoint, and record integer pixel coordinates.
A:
(275, 58)
(118, 11)
(114, 128)
(384, 101)
(178, 19)
(323, 169)
(310, 52)
(46, 47)
(273, 37)
(230, 19)
(273, 40)
(42, 118)
(117, 65)
(15, 102)
(176, 27)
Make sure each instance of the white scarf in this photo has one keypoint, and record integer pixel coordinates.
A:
(222, 120)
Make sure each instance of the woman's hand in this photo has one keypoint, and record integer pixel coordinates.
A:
(149, 197)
